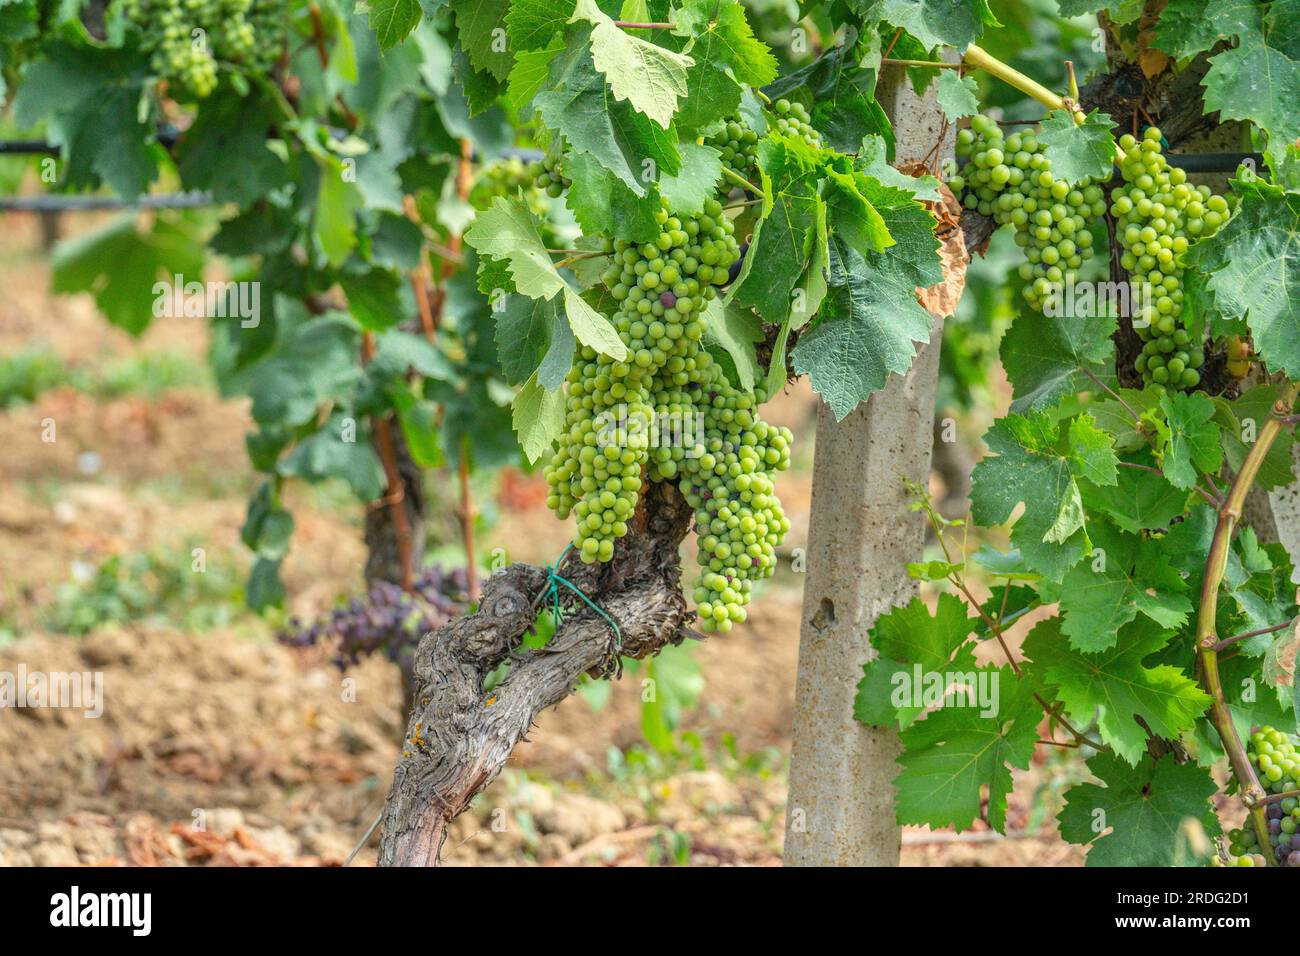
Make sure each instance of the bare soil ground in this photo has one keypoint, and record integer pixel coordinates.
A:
(220, 747)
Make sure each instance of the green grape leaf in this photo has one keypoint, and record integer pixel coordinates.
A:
(533, 24)
(695, 182)
(956, 23)
(481, 26)
(736, 330)
(264, 588)
(1189, 27)
(506, 230)
(1125, 575)
(1137, 501)
(538, 417)
(1138, 817)
(1193, 438)
(88, 99)
(577, 104)
(644, 74)
(726, 55)
(784, 243)
(1094, 451)
(331, 453)
(231, 126)
(1044, 356)
(268, 527)
(1255, 82)
(1115, 688)
(398, 353)
(1245, 416)
(855, 217)
(957, 95)
(603, 205)
(374, 297)
(523, 335)
(1079, 150)
(1032, 466)
(314, 362)
(528, 75)
(393, 20)
(338, 200)
(871, 160)
(122, 267)
(1253, 264)
(956, 751)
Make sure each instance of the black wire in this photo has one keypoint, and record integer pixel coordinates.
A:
(57, 203)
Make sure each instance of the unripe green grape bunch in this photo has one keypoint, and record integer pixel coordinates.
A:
(1276, 760)
(1010, 178)
(737, 143)
(504, 178)
(548, 177)
(668, 413)
(239, 32)
(1157, 214)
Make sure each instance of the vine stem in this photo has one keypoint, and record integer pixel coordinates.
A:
(744, 183)
(1279, 797)
(633, 25)
(1229, 641)
(396, 490)
(922, 64)
(1252, 794)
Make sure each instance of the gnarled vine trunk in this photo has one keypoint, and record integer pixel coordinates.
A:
(459, 736)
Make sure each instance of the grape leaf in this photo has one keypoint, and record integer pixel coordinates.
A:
(330, 454)
(338, 199)
(1189, 27)
(1078, 150)
(506, 230)
(791, 175)
(871, 160)
(1125, 575)
(957, 95)
(694, 182)
(393, 20)
(528, 75)
(523, 335)
(954, 752)
(1137, 501)
(726, 55)
(1094, 451)
(1144, 808)
(956, 23)
(481, 26)
(264, 588)
(1255, 82)
(603, 205)
(1245, 416)
(1031, 466)
(645, 74)
(736, 330)
(314, 362)
(1193, 438)
(1114, 687)
(538, 417)
(533, 24)
(1253, 264)
(1043, 356)
(909, 641)
(577, 104)
(119, 265)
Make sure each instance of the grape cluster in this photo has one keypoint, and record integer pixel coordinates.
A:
(737, 142)
(503, 178)
(1157, 213)
(187, 39)
(386, 620)
(1277, 762)
(1010, 178)
(668, 413)
(548, 177)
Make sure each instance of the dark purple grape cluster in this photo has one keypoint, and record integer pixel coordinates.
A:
(386, 620)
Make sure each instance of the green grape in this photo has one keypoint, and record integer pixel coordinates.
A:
(505, 178)
(190, 40)
(1276, 759)
(1157, 213)
(548, 177)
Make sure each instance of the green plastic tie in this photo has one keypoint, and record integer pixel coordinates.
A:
(555, 579)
